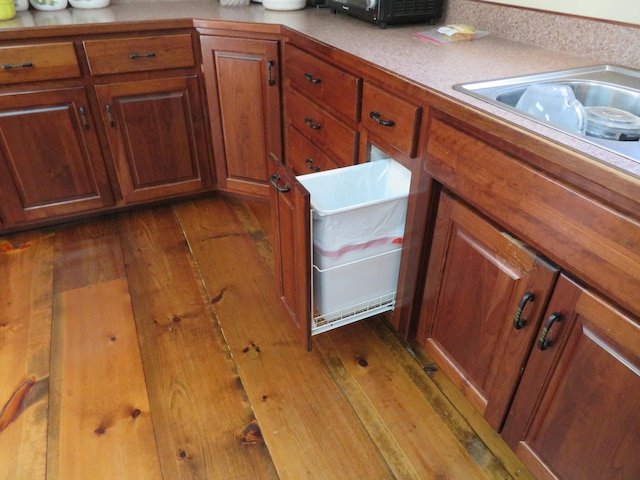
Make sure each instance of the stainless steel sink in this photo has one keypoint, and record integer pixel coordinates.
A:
(601, 85)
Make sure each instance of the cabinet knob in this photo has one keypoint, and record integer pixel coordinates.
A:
(518, 320)
(83, 118)
(112, 122)
(544, 342)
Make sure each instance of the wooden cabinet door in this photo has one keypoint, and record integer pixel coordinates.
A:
(243, 92)
(51, 163)
(478, 281)
(291, 211)
(577, 411)
(156, 136)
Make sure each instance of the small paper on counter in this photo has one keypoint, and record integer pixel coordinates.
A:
(451, 33)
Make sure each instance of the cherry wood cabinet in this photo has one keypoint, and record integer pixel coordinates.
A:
(484, 297)
(51, 163)
(577, 410)
(243, 91)
(155, 134)
(566, 398)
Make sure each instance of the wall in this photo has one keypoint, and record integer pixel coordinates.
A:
(604, 42)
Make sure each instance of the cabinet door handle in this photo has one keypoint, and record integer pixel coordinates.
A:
(543, 341)
(83, 117)
(310, 78)
(142, 55)
(274, 179)
(312, 167)
(518, 320)
(310, 124)
(270, 65)
(13, 66)
(375, 116)
(112, 122)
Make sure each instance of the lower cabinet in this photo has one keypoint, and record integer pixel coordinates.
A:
(156, 136)
(576, 413)
(51, 163)
(484, 297)
(243, 93)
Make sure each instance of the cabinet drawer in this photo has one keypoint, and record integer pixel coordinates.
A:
(304, 157)
(139, 54)
(323, 129)
(393, 119)
(323, 82)
(31, 63)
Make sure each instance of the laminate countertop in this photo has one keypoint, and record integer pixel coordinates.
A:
(395, 49)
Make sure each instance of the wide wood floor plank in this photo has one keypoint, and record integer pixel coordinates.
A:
(203, 420)
(383, 392)
(88, 254)
(309, 428)
(104, 424)
(26, 265)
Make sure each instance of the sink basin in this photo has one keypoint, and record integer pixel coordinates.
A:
(598, 86)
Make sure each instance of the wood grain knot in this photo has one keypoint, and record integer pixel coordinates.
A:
(362, 362)
(136, 413)
(100, 430)
(182, 454)
(251, 434)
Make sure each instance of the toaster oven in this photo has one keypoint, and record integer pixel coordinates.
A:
(385, 12)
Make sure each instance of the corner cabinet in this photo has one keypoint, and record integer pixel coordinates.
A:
(243, 93)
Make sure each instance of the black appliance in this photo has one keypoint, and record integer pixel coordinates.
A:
(385, 12)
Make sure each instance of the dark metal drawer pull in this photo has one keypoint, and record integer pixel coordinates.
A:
(311, 78)
(310, 124)
(13, 66)
(270, 65)
(83, 117)
(142, 55)
(519, 321)
(112, 122)
(312, 167)
(543, 341)
(274, 181)
(375, 116)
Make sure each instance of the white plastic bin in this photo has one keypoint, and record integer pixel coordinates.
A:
(352, 285)
(358, 211)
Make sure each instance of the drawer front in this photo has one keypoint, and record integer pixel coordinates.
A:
(323, 129)
(304, 157)
(31, 63)
(139, 54)
(393, 119)
(324, 83)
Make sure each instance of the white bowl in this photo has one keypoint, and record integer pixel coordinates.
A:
(284, 4)
(554, 103)
(88, 4)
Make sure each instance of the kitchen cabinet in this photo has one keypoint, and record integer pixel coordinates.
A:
(577, 410)
(483, 301)
(324, 130)
(243, 91)
(51, 164)
(154, 127)
(97, 122)
(570, 407)
(155, 133)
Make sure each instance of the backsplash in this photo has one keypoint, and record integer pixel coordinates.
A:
(604, 42)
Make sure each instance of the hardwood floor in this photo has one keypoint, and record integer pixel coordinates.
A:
(149, 345)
